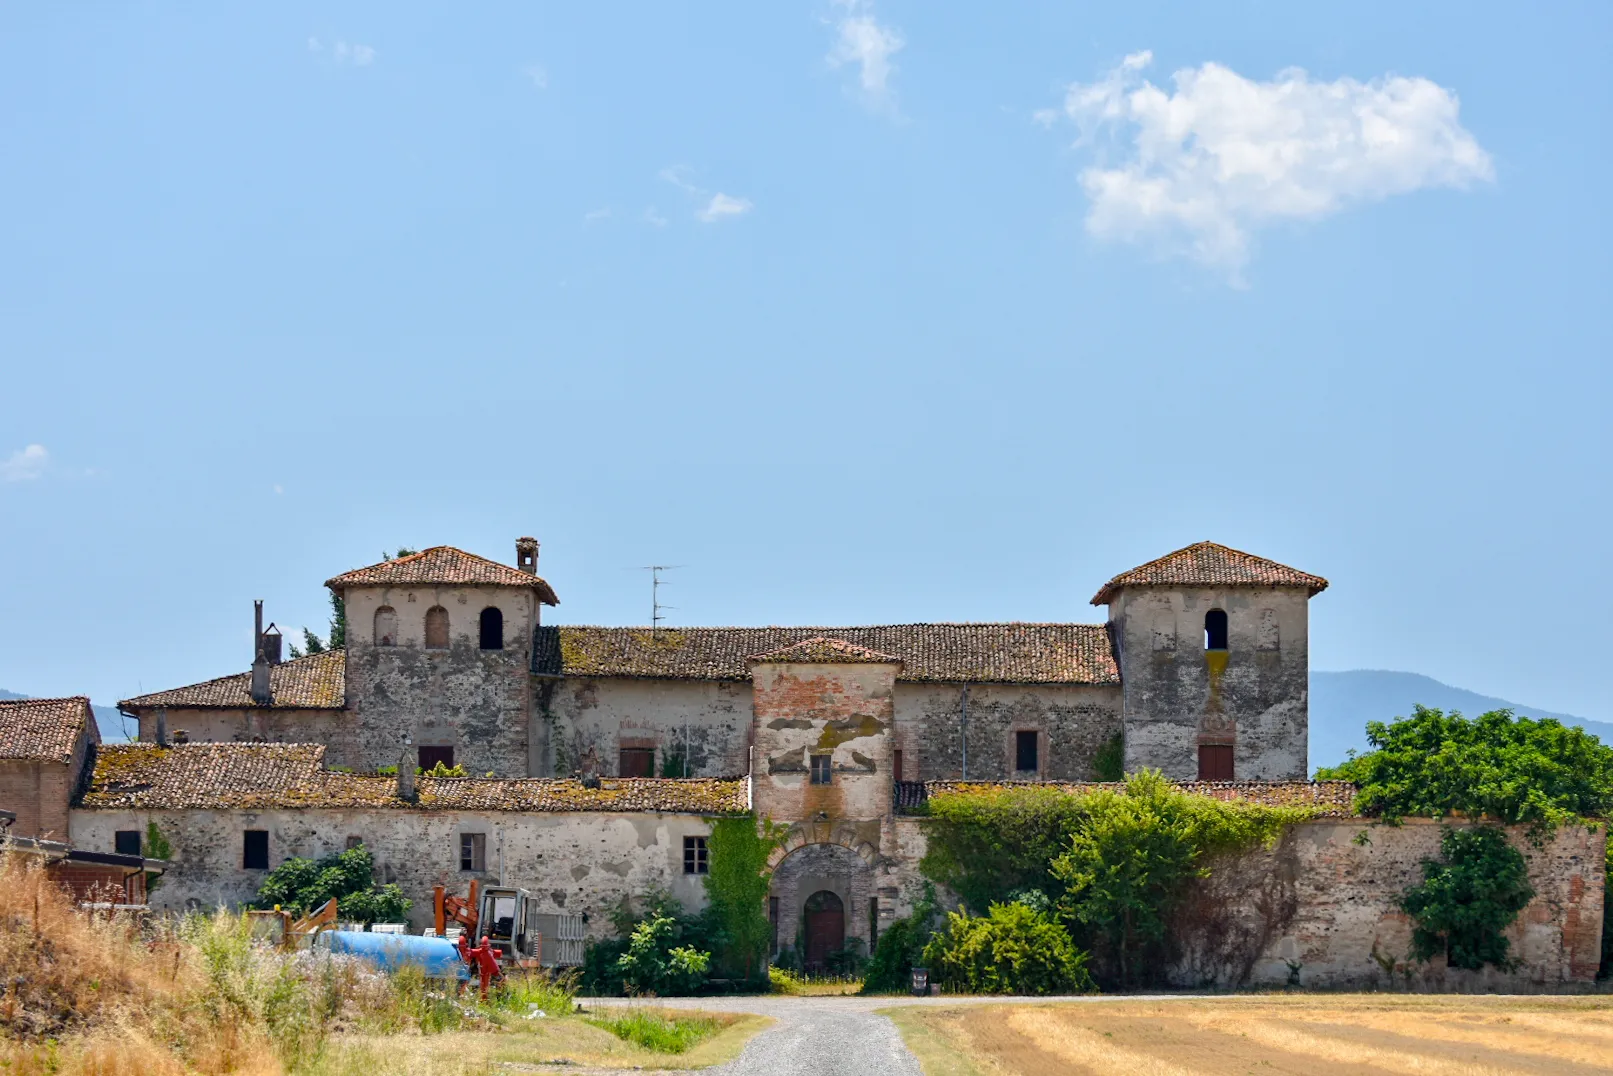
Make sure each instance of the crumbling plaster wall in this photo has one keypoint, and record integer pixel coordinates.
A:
(1073, 720)
(843, 711)
(1340, 881)
(573, 863)
(580, 715)
(476, 701)
(334, 728)
(1177, 695)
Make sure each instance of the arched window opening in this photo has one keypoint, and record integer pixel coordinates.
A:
(436, 628)
(492, 628)
(386, 626)
(1215, 629)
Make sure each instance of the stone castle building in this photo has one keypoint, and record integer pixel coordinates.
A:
(596, 757)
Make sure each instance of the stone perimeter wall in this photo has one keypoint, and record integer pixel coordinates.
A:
(1324, 901)
(573, 863)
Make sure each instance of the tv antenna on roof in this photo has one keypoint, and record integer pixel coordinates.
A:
(656, 584)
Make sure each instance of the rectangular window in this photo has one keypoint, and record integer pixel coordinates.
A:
(430, 756)
(1025, 752)
(873, 923)
(126, 842)
(255, 849)
(473, 851)
(821, 769)
(354, 841)
(896, 765)
(636, 762)
(1215, 762)
(694, 856)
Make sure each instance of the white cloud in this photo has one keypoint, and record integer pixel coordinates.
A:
(343, 53)
(24, 464)
(723, 205)
(537, 75)
(1201, 168)
(861, 40)
(603, 213)
(651, 216)
(718, 205)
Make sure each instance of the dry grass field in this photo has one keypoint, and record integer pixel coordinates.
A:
(1342, 1033)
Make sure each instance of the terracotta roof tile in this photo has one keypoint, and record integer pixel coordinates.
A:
(138, 777)
(442, 565)
(822, 650)
(1210, 565)
(44, 730)
(315, 682)
(946, 653)
(1330, 798)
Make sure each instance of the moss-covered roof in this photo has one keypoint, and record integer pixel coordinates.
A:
(1327, 798)
(44, 730)
(1208, 564)
(315, 682)
(820, 650)
(247, 776)
(949, 653)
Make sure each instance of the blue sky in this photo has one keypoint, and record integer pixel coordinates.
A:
(870, 312)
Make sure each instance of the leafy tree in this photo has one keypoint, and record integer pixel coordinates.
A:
(1512, 769)
(301, 885)
(986, 843)
(1130, 861)
(1109, 764)
(653, 965)
(1465, 901)
(1012, 949)
(736, 888)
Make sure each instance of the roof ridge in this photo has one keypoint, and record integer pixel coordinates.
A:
(45, 698)
(840, 627)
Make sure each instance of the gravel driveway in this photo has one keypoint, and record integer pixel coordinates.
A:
(824, 1036)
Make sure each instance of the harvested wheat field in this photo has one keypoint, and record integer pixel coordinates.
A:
(1365, 1034)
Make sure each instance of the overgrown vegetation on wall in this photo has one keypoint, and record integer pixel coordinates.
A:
(737, 882)
(1012, 949)
(1108, 867)
(1467, 898)
(302, 885)
(1493, 767)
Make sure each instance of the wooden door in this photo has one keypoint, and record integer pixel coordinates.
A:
(825, 928)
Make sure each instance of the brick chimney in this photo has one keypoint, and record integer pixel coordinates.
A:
(262, 694)
(526, 555)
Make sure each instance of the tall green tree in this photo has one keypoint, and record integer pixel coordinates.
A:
(736, 888)
(1543, 773)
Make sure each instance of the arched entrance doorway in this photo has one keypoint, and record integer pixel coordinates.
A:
(825, 928)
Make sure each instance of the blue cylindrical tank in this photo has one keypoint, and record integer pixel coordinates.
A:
(438, 957)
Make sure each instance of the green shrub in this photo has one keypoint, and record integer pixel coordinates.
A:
(900, 948)
(1467, 899)
(983, 844)
(658, 1031)
(1131, 859)
(303, 885)
(653, 965)
(1514, 770)
(1010, 950)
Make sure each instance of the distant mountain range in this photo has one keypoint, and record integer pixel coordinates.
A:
(107, 719)
(1343, 702)
(1341, 705)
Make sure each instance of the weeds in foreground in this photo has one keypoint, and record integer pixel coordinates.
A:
(663, 1033)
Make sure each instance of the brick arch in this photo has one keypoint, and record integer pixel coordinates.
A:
(807, 834)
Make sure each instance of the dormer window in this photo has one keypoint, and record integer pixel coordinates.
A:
(492, 628)
(1215, 629)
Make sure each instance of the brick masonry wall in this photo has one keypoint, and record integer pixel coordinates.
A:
(1073, 722)
(711, 718)
(38, 792)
